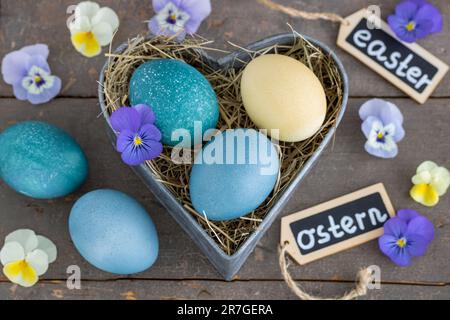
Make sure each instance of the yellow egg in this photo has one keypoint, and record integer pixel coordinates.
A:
(281, 93)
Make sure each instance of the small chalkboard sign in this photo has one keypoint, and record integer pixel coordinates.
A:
(407, 65)
(336, 225)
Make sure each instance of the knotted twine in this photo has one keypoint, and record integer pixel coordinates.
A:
(364, 277)
(304, 14)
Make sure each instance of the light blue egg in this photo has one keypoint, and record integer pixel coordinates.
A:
(41, 161)
(179, 95)
(233, 174)
(113, 232)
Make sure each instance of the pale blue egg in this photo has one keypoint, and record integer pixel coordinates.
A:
(233, 174)
(113, 232)
(41, 161)
(179, 95)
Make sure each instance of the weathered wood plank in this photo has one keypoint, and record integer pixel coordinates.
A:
(205, 290)
(342, 169)
(241, 22)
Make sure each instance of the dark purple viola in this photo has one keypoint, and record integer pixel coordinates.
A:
(405, 236)
(415, 19)
(138, 140)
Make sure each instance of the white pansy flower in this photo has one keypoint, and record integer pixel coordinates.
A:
(92, 28)
(382, 137)
(25, 256)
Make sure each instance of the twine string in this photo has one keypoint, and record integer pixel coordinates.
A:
(364, 277)
(303, 14)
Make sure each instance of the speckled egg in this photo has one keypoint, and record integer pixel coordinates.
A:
(41, 161)
(113, 232)
(281, 93)
(179, 95)
(233, 174)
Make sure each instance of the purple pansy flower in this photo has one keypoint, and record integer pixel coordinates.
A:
(415, 19)
(382, 126)
(178, 17)
(405, 236)
(139, 139)
(28, 72)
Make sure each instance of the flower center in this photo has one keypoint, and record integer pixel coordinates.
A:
(39, 80)
(411, 26)
(172, 18)
(401, 242)
(380, 137)
(137, 140)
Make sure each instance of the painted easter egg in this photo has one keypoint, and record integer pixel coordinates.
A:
(233, 174)
(281, 93)
(113, 232)
(180, 96)
(41, 161)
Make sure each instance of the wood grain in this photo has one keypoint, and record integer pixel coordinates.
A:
(209, 290)
(344, 168)
(241, 22)
(181, 270)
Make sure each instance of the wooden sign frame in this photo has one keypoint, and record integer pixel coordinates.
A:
(347, 28)
(288, 237)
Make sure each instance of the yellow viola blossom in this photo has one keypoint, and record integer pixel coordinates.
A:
(25, 256)
(430, 182)
(92, 28)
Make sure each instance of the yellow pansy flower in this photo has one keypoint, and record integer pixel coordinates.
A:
(92, 28)
(26, 256)
(430, 182)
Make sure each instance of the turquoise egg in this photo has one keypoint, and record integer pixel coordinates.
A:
(113, 232)
(41, 161)
(179, 95)
(233, 174)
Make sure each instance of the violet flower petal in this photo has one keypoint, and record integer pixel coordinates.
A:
(419, 3)
(391, 114)
(158, 5)
(124, 139)
(371, 107)
(150, 132)
(146, 113)
(388, 245)
(37, 49)
(421, 226)
(381, 153)
(366, 126)
(40, 62)
(407, 214)
(406, 10)
(198, 10)
(15, 67)
(416, 244)
(402, 258)
(423, 28)
(20, 92)
(47, 94)
(125, 118)
(429, 12)
(395, 227)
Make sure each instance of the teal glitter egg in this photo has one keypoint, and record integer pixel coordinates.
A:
(41, 161)
(179, 96)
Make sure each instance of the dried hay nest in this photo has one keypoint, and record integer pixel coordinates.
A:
(230, 234)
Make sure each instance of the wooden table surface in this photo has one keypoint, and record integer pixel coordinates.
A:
(181, 270)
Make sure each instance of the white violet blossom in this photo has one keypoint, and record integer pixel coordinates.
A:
(25, 256)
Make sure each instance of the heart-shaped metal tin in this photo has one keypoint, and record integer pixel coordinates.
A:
(227, 265)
